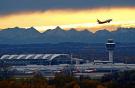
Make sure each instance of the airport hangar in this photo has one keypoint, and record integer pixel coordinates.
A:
(39, 59)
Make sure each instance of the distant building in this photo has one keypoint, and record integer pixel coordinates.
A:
(38, 59)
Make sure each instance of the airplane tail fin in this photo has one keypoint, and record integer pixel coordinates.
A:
(98, 21)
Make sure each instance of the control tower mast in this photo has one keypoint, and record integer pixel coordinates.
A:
(110, 45)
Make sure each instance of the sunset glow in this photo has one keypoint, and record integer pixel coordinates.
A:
(67, 18)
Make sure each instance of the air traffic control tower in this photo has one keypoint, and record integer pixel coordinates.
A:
(110, 45)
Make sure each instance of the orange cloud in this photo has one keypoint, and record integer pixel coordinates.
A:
(66, 18)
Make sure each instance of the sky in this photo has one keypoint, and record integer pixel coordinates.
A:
(79, 14)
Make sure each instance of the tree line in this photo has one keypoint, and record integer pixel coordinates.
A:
(124, 79)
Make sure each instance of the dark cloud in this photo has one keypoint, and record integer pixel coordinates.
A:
(15, 6)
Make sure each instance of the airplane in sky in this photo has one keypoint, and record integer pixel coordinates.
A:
(103, 22)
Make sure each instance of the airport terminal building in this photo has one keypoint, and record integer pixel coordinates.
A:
(39, 59)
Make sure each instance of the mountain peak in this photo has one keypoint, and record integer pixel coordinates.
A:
(72, 30)
(58, 28)
(86, 30)
(102, 31)
(32, 29)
